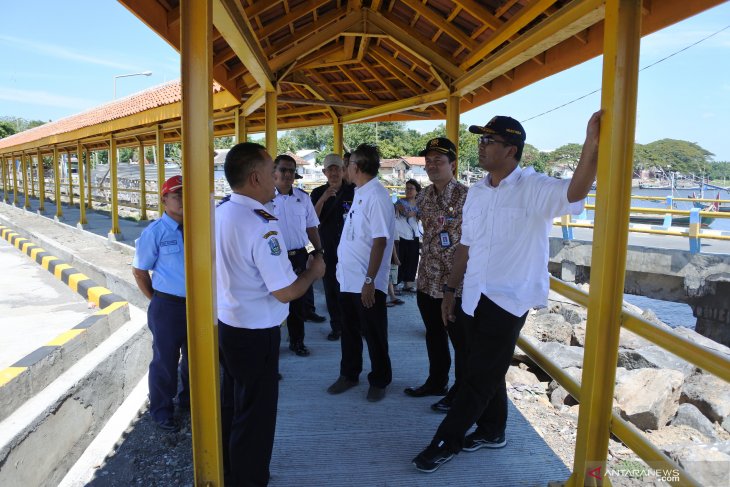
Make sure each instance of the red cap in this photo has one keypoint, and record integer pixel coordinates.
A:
(171, 185)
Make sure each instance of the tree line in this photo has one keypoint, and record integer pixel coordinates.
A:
(395, 139)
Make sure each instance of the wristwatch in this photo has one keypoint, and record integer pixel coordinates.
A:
(317, 251)
(368, 280)
(448, 289)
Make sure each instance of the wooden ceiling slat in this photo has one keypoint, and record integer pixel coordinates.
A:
(299, 11)
(351, 76)
(382, 80)
(480, 12)
(440, 22)
(396, 69)
(302, 34)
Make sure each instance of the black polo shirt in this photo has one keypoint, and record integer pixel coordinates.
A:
(332, 216)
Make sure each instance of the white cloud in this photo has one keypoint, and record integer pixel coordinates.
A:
(64, 53)
(30, 97)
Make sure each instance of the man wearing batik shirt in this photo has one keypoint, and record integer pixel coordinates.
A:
(439, 209)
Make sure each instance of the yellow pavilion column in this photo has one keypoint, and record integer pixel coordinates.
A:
(24, 167)
(3, 170)
(114, 233)
(70, 180)
(160, 156)
(196, 53)
(452, 124)
(41, 183)
(57, 184)
(90, 195)
(32, 178)
(338, 133)
(142, 184)
(82, 184)
(15, 179)
(615, 160)
(271, 140)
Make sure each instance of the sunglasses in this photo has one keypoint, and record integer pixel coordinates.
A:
(486, 140)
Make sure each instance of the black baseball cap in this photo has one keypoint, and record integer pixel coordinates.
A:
(442, 145)
(507, 127)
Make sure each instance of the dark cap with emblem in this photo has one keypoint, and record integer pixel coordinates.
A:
(442, 145)
(507, 127)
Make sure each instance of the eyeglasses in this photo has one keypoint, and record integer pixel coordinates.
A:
(285, 170)
(486, 140)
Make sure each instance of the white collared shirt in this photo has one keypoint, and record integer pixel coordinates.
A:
(371, 216)
(506, 229)
(251, 262)
(295, 213)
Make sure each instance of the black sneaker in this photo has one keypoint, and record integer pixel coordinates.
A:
(341, 385)
(442, 406)
(476, 440)
(300, 349)
(430, 459)
(333, 336)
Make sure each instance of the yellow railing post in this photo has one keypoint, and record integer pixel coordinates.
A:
(57, 183)
(41, 183)
(160, 156)
(114, 233)
(196, 55)
(338, 133)
(452, 124)
(24, 166)
(70, 180)
(615, 159)
(271, 124)
(82, 183)
(2, 173)
(142, 183)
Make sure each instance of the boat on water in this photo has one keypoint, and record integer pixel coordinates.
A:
(677, 221)
(713, 206)
(667, 186)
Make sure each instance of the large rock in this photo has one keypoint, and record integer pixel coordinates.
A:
(655, 358)
(516, 375)
(563, 355)
(579, 334)
(572, 313)
(559, 396)
(708, 464)
(630, 340)
(695, 337)
(548, 327)
(710, 394)
(648, 398)
(689, 415)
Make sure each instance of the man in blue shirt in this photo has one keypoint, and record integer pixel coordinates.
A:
(160, 249)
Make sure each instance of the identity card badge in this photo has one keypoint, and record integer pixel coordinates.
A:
(445, 240)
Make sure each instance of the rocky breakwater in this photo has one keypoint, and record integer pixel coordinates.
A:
(682, 410)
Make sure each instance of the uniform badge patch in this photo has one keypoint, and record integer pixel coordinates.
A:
(265, 215)
(269, 234)
(274, 246)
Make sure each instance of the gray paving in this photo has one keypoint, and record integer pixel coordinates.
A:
(35, 307)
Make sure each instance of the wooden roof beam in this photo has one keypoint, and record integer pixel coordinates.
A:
(295, 14)
(382, 80)
(399, 71)
(480, 12)
(414, 43)
(574, 17)
(508, 29)
(315, 41)
(440, 23)
(357, 82)
(237, 31)
(397, 106)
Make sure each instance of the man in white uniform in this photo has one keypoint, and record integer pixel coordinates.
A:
(502, 260)
(363, 268)
(255, 282)
(298, 224)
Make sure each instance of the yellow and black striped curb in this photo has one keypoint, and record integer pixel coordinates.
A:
(107, 301)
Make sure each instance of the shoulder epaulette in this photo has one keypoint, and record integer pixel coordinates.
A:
(265, 215)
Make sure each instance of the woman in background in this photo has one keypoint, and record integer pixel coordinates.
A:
(407, 226)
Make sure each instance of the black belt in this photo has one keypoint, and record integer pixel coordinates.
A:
(292, 253)
(171, 297)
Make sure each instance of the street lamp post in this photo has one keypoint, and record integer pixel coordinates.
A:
(144, 73)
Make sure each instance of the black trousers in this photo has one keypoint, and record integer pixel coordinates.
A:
(251, 358)
(482, 398)
(372, 323)
(332, 294)
(408, 256)
(298, 307)
(437, 342)
(167, 322)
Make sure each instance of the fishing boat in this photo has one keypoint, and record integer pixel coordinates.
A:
(677, 221)
(659, 185)
(713, 206)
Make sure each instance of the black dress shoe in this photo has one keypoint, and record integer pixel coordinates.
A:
(425, 390)
(300, 349)
(314, 317)
(341, 385)
(333, 336)
(442, 406)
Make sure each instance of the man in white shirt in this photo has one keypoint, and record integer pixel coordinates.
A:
(363, 269)
(298, 224)
(255, 283)
(502, 260)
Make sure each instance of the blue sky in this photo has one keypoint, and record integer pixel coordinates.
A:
(60, 58)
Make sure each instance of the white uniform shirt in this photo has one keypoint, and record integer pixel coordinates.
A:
(371, 216)
(251, 262)
(507, 231)
(295, 213)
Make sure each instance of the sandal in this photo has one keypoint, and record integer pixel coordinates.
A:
(397, 301)
(390, 304)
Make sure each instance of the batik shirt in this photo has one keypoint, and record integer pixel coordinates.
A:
(441, 216)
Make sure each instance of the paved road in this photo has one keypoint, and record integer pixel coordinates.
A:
(35, 307)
